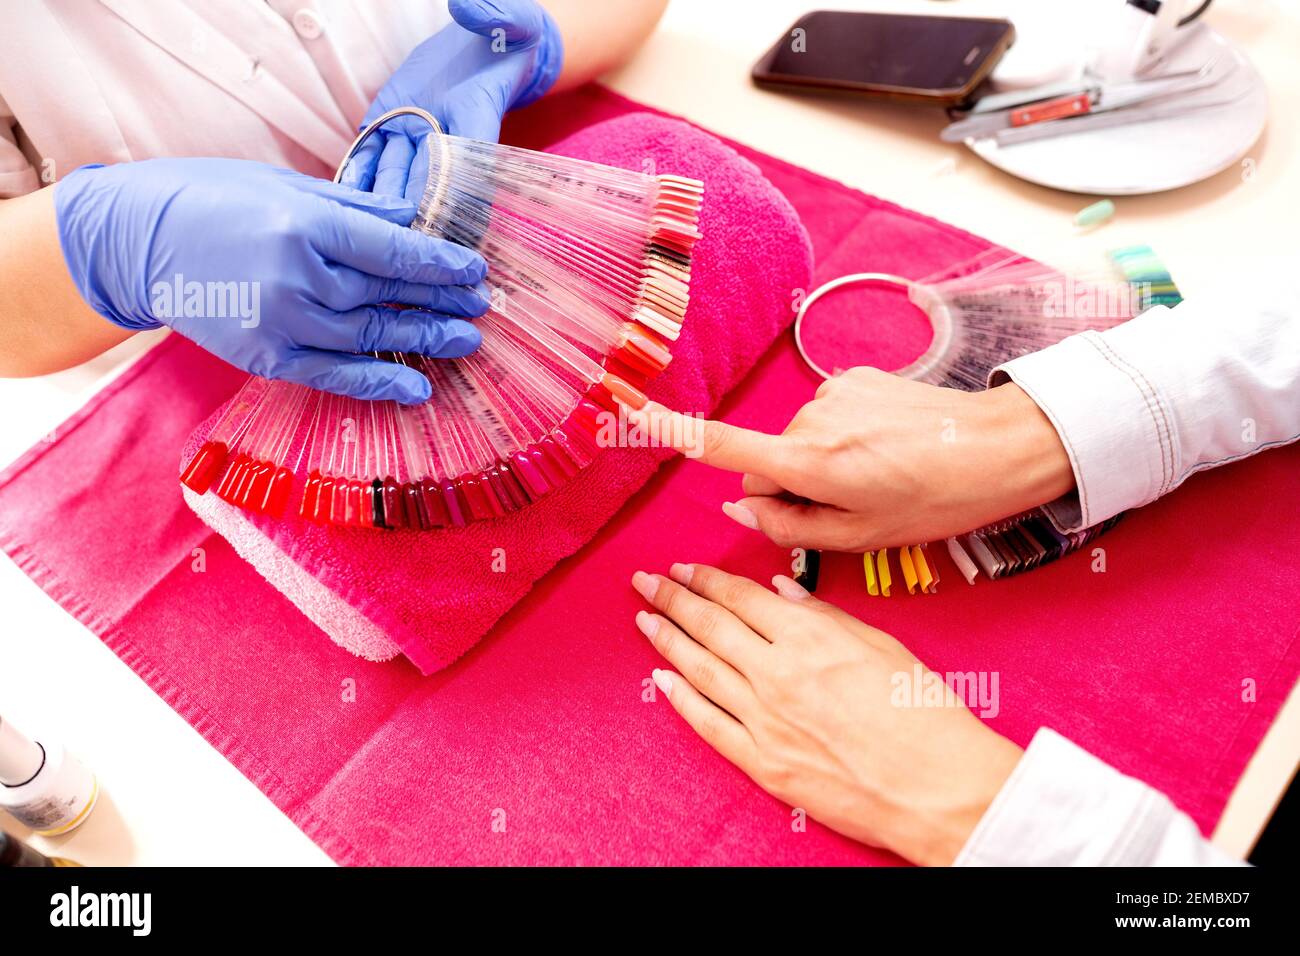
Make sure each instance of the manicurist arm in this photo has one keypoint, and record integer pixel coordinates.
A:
(600, 36)
(46, 324)
(281, 274)
(88, 261)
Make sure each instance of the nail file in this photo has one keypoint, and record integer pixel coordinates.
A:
(1059, 109)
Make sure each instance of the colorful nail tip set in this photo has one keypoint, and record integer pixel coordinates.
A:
(590, 269)
(1001, 550)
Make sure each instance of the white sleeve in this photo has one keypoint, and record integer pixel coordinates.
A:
(1142, 406)
(1061, 806)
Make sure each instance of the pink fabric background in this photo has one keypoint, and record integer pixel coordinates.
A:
(436, 594)
(544, 720)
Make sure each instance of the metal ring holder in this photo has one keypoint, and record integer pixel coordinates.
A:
(428, 206)
(940, 320)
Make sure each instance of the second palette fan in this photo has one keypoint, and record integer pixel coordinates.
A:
(589, 269)
(985, 311)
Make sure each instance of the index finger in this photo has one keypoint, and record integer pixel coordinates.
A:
(394, 167)
(714, 443)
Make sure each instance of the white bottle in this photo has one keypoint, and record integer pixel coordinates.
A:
(42, 785)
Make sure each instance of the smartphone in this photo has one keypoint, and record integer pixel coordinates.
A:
(916, 59)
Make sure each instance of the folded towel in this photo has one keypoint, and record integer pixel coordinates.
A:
(433, 595)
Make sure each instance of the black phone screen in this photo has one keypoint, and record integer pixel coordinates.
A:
(884, 50)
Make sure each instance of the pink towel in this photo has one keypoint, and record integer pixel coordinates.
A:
(434, 595)
(1170, 666)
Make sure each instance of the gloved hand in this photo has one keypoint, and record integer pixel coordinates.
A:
(278, 273)
(497, 56)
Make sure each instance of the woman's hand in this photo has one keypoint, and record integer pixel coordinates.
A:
(281, 274)
(879, 461)
(804, 698)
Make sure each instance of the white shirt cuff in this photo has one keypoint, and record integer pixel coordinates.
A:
(1105, 412)
(1061, 806)
(1141, 406)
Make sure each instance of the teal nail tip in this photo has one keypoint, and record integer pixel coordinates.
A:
(1096, 214)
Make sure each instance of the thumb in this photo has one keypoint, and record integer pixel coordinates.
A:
(799, 525)
(518, 24)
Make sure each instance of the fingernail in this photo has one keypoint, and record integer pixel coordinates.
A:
(682, 574)
(484, 291)
(740, 514)
(646, 585)
(663, 680)
(790, 588)
(647, 624)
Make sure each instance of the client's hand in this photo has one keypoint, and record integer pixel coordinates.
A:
(879, 461)
(802, 697)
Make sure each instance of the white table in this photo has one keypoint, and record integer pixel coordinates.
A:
(172, 799)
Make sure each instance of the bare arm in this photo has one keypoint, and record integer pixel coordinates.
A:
(600, 36)
(45, 325)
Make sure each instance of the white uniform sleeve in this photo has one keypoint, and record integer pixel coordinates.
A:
(1062, 806)
(17, 177)
(1142, 406)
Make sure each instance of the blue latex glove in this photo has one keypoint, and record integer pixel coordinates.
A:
(292, 272)
(497, 56)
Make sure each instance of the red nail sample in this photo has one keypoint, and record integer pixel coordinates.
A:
(310, 494)
(205, 466)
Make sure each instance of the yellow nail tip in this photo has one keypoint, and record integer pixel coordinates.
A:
(924, 576)
(882, 571)
(909, 572)
(869, 568)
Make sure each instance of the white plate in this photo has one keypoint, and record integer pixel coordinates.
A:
(1155, 155)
